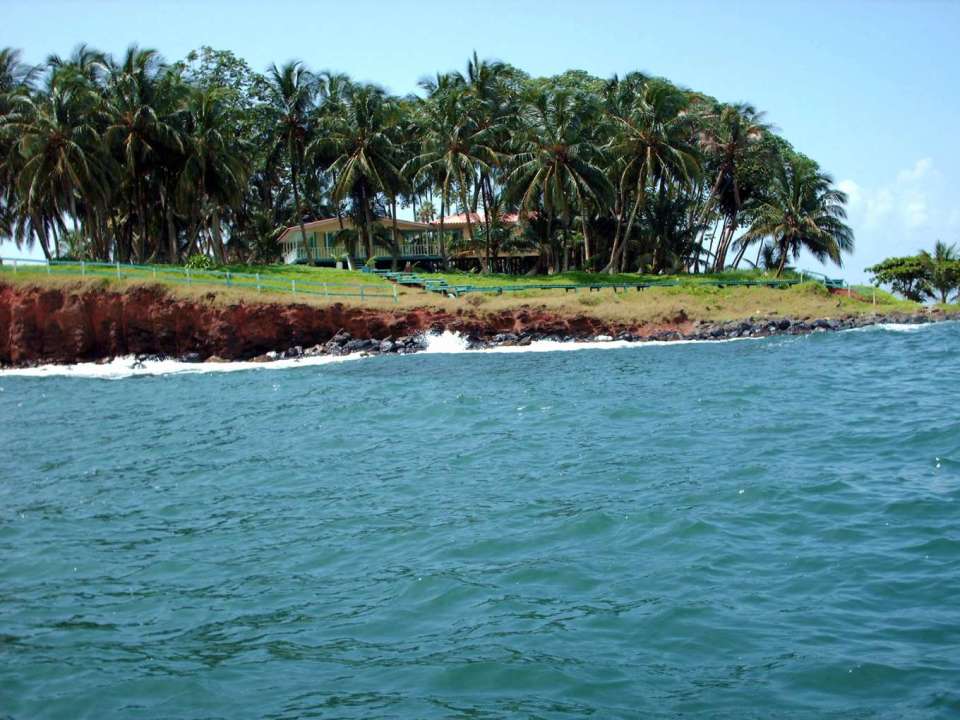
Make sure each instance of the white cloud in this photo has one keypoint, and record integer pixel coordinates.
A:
(909, 211)
(914, 174)
(904, 200)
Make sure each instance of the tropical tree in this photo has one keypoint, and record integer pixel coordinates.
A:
(290, 91)
(60, 150)
(140, 134)
(803, 211)
(365, 157)
(727, 139)
(652, 142)
(557, 165)
(922, 276)
(213, 173)
(452, 148)
(943, 269)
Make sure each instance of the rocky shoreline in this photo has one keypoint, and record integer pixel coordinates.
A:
(343, 343)
(44, 325)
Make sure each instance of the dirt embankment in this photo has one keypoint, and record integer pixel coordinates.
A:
(66, 325)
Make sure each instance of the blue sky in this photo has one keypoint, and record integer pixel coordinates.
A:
(868, 89)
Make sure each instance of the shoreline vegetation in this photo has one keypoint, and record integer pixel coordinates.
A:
(134, 159)
(69, 320)
(204, 163)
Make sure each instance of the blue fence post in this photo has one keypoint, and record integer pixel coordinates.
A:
(118, 270)
(258, 282)
(83, 269)
(293, 286)
(361, 292)
(395, 298)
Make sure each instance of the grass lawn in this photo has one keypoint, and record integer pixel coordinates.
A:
(583, 278)
(690, 299)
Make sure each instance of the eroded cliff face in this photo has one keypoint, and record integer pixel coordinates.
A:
(63, 325)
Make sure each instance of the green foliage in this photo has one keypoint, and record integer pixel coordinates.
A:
(200, 262)
(158, 162)
(923, 276)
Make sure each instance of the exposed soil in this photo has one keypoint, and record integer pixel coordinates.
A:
(62, 325)
(76, 324)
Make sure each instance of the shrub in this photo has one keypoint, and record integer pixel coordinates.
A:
(200, 262)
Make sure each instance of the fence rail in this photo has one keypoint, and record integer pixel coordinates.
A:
(260, 282)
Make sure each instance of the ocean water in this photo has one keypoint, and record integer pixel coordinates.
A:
(750, 529)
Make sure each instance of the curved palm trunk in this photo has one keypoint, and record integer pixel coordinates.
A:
(466, 208)
(615, 248)
(740, 254)
(395, 250)
(720, 254)
(621, 261)
(487, 197)
(783, 259)
(296, 201)
(442, 241)
(367, 226)
(172, 249)
(586, 236)
(141, 221)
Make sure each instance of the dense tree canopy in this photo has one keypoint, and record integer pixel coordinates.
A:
(924, 276)
(136, 159)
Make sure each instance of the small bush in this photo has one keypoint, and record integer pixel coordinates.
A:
(200, 262)
(810, 289)
(476, 300)
(590, 300)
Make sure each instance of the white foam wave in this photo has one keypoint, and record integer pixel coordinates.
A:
(126, 367)
(437, 343)
(445, 342)
(895, 327)
(453, 343)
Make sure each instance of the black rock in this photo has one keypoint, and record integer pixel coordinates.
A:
(341, 338)
(191, 357)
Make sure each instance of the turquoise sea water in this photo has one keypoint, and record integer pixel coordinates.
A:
(753, 529)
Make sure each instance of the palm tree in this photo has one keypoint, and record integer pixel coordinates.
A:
(803, 211)
(140, 131)
(366, 159)
(489, 100)
(291, 89)
(556, 165)
(726, 142)
(942, 268)
(213, 173)
(60, 150)
(653, 144)
(453, 147)
(15, 81)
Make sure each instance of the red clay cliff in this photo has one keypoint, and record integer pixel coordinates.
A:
(67, 325)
